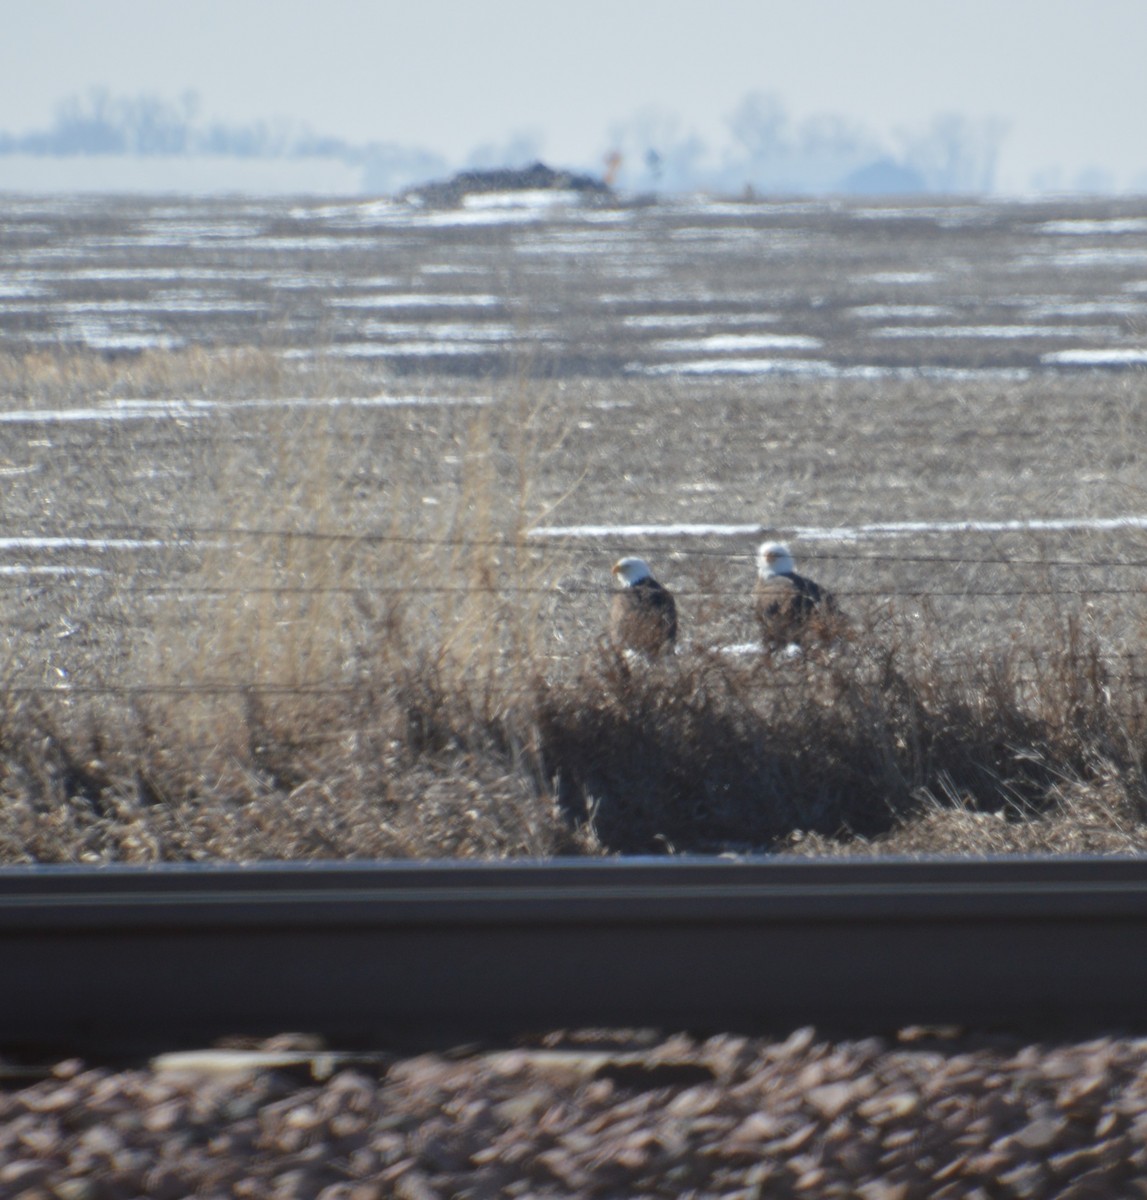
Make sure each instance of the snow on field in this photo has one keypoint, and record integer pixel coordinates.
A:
(895, 529)
(164, 304)
(899, 277)
(150, 410)
(1087, 256)
(947, 215)
(19, 290)
(822, 369)
(411, 349)
(25, 571)
(720, 342)
(80, 543)
(1089, 226)
(55, 275)
(411, 401)
(488, 209)
(542, 199)
(1112, 306)
(99, 336)
(694, 320)
(844, 533)
(1095, 358)
(415, 300)
(736, 366)
(996, 331)
(642, 531)
(887, 312)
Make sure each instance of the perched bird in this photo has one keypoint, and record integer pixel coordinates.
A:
(789, 606)
(643, 615)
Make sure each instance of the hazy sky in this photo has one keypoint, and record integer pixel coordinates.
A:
(1066, 76)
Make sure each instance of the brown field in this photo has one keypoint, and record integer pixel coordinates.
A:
(328, 629)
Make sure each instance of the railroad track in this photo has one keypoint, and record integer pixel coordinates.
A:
(119, 960)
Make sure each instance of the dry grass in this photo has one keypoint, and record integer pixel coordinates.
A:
(857, 747)
(400, 671)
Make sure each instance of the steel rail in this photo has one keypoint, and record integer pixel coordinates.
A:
(120, 959)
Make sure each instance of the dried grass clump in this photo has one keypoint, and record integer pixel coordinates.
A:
(859, 746)
(92, 793)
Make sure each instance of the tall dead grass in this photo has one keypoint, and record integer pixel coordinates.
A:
(853, 746)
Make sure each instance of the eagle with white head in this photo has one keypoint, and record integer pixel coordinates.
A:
(789, 606)
(643, 614)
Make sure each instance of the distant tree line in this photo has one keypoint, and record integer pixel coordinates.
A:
(99, 122)
(768, 152)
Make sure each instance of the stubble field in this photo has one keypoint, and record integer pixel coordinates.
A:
(309, 512)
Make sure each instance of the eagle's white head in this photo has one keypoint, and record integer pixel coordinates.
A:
(632, 570)
(773, 558)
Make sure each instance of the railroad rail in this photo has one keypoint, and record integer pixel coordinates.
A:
(123, 959)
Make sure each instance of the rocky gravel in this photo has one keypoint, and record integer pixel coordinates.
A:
(924, 1113)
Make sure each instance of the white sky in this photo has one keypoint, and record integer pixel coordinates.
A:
(1067, 76)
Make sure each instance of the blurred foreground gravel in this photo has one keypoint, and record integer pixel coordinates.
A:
(601, 1114)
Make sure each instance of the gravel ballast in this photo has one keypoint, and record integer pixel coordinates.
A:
(919, 1114)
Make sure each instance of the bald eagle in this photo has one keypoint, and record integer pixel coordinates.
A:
(643, 615)
(789, 606)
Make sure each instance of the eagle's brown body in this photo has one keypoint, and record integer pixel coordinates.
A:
(789, 608)
(642, 616)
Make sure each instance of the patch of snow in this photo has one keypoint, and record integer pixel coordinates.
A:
(145, 410)
(391, 349)
(996, 331)
(691, 320)
(742, 649)
(1088, 226)
(737, 366)
(641, 531)
(24, 571)
(1083, 308)
(538, 198)
(844, 533)
(80, 543)
(1097, 256)
(884, 312)
(107, 339)
(1096, 358)
(719, 342)
(415, 300)
(900, 277)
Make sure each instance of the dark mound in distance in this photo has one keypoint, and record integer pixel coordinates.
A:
(536, 177)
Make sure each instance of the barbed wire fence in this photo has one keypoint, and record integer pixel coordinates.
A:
(1088, 577)
(174, 537)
